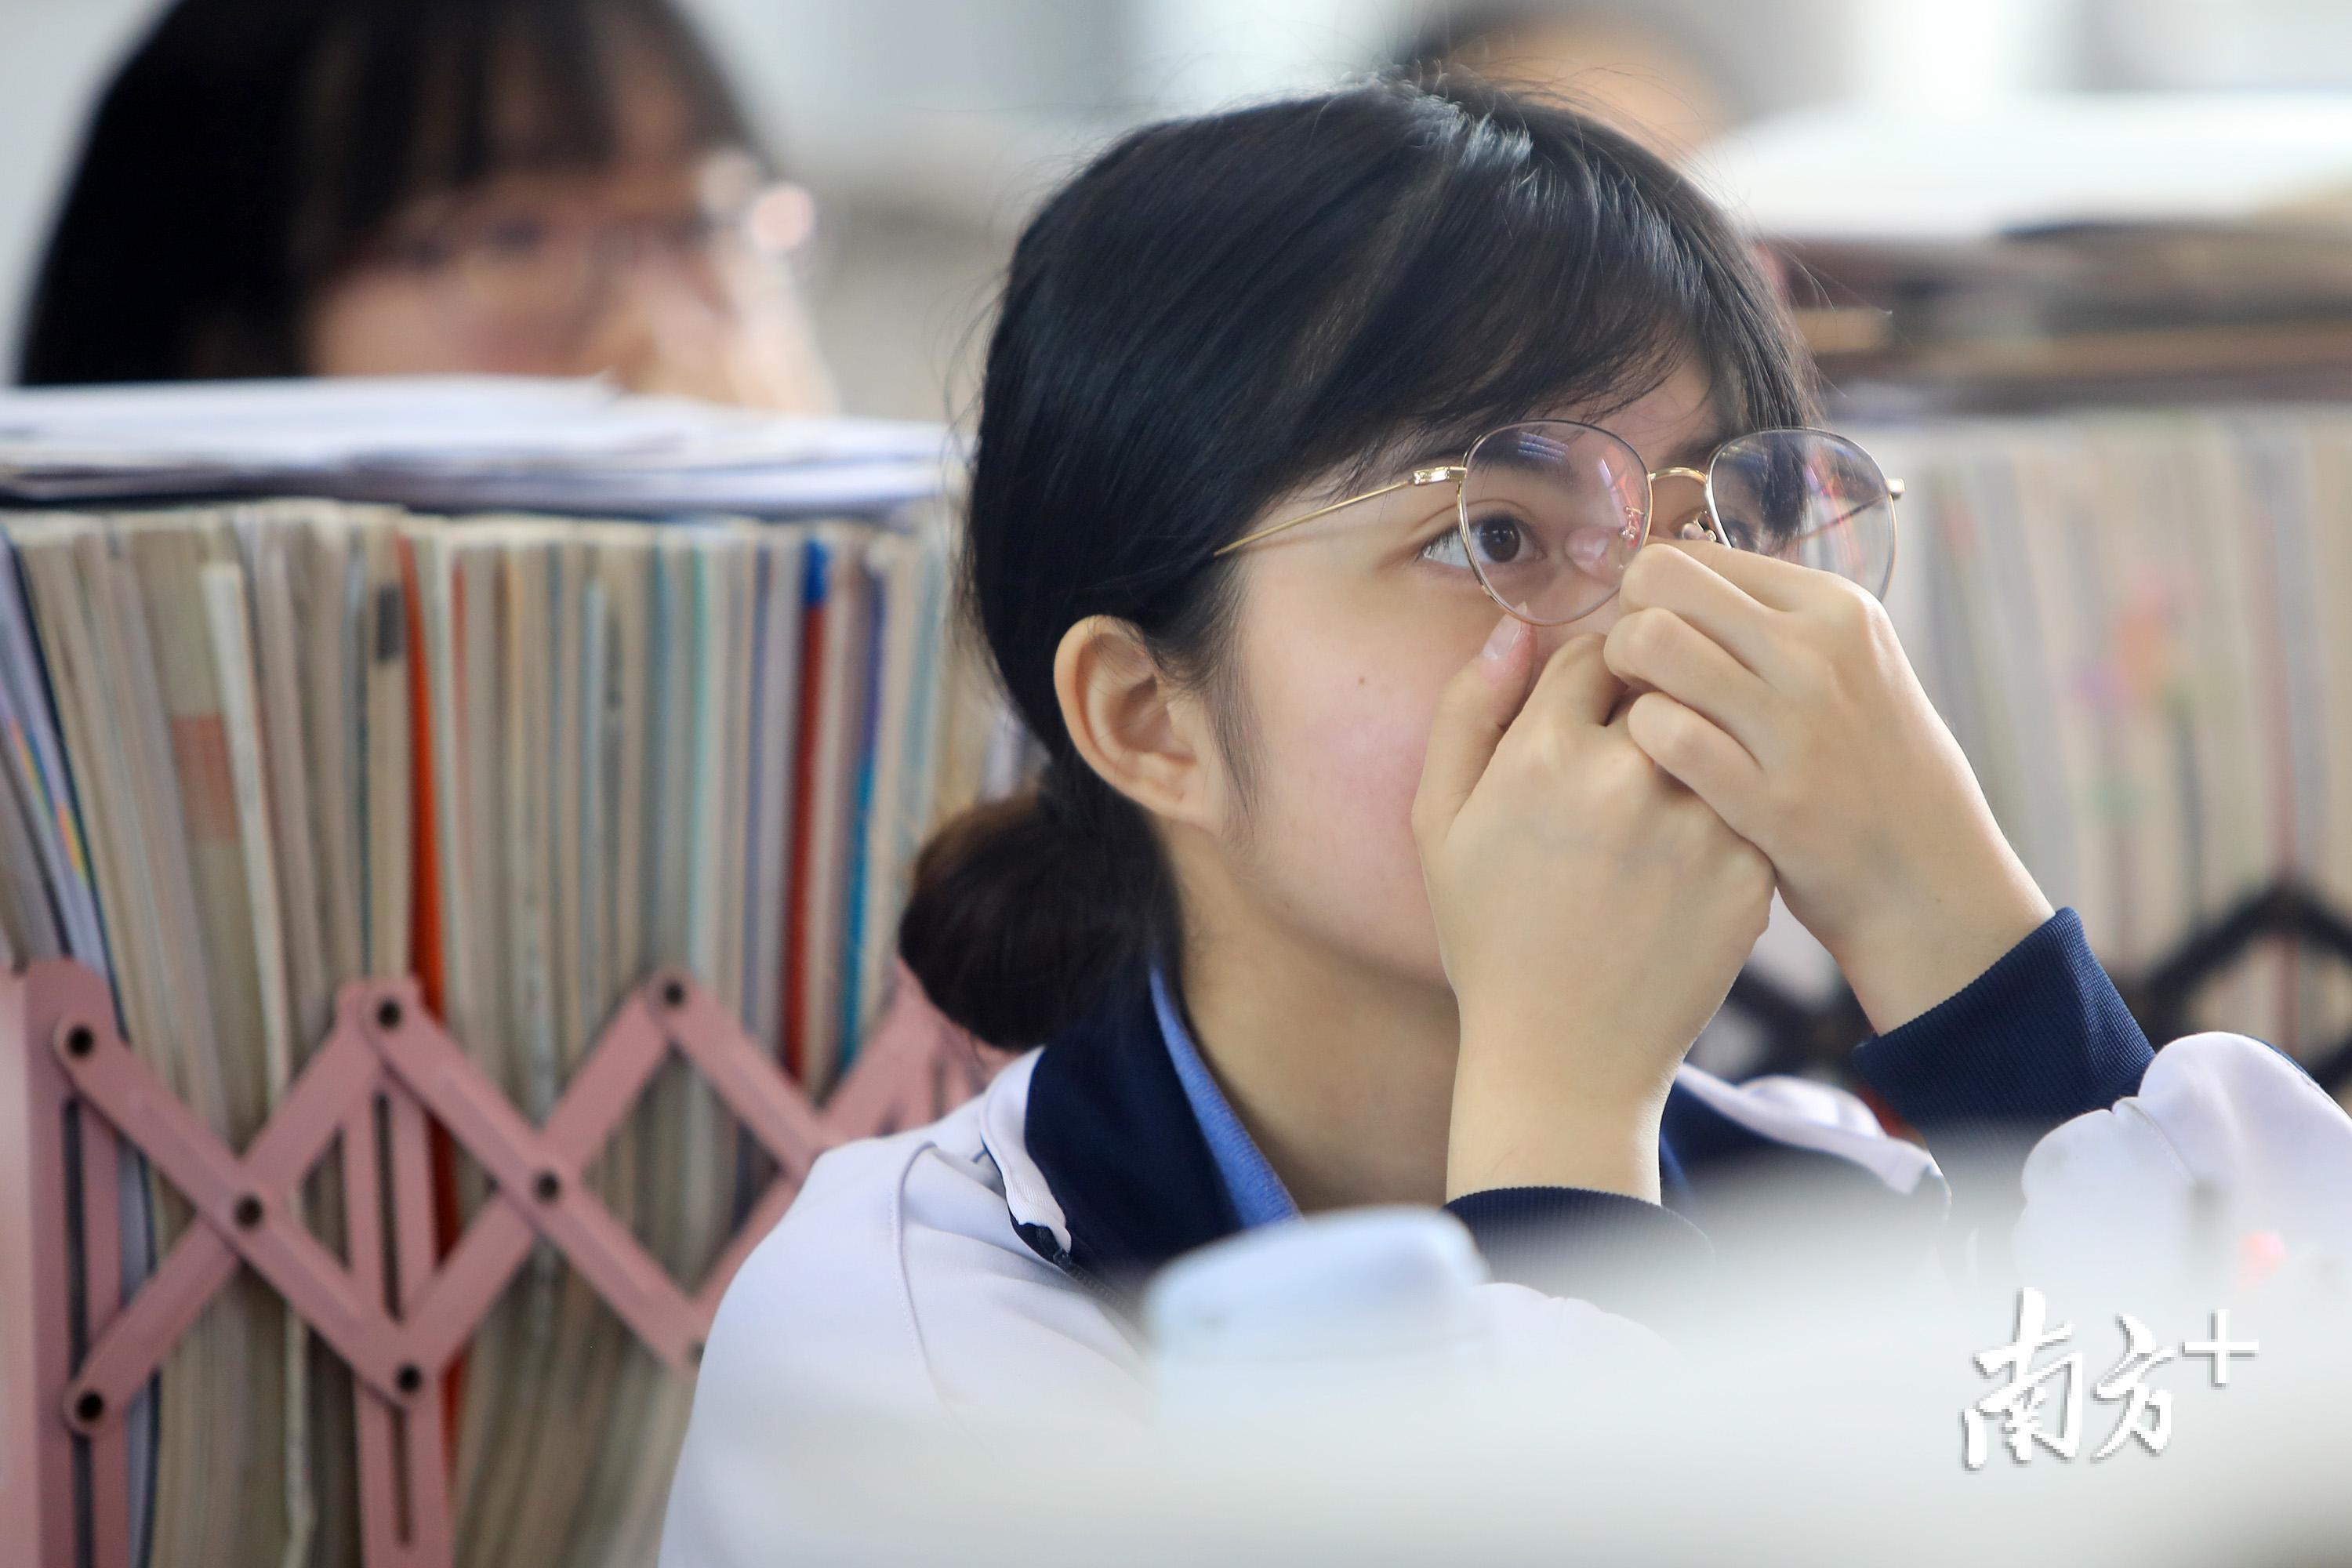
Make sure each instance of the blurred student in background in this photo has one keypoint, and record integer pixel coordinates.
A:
(348, 187)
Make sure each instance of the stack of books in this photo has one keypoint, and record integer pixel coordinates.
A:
(256, 747)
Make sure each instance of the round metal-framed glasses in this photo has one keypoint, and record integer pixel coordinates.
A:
(1549, 512)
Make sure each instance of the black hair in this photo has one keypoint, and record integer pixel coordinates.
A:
(249, 149)
(1218, 310)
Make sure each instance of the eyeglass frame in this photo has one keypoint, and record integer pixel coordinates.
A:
(1459, 474)
(445, 249)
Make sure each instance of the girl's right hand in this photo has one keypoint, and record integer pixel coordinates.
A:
(1591, 913)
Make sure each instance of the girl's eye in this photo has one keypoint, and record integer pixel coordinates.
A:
(513, 236)
(1446, 550)
(1500, 540)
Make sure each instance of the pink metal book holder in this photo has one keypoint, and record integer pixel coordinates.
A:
(65, 1387)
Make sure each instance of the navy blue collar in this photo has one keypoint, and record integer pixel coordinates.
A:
(1111, 1130)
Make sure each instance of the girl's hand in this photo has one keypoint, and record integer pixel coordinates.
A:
(1780, 695)
(1591, 915)
(757, 350)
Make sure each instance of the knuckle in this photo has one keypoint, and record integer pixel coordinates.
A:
(1812, 672)
(1535, 748)
(1621, 772)
(1559, 748)
(1663, 724)
(1647, 633)
(1573, 652)
(1651, 568)
(1635, 586)
(1848, 609)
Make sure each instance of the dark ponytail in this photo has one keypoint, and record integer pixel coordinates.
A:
(1216, 312)
(1022, 903)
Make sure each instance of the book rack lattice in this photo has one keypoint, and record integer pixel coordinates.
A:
(74, 1352)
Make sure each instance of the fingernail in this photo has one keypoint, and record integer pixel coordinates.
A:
(1499, 641)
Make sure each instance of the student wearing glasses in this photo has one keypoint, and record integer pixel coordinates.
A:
(1396, 514)
(348, 187)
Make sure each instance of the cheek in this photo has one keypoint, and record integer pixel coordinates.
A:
(1342, 726)
(377, 324)
(1356, 752)
(372, 325)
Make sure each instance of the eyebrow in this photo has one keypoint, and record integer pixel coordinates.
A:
(1698, 452)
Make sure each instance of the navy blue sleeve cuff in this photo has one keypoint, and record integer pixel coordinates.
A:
(2040, 1037)
(1623, 1253)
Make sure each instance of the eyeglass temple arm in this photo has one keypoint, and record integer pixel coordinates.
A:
(1437, 476)
(1894, 490)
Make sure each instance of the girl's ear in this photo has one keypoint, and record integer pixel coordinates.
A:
(1131, 722)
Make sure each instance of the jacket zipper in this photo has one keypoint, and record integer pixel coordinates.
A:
(1039, 1240)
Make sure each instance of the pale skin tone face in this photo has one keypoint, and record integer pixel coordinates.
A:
(1310, 934)
(1476, 904)
(608, 271)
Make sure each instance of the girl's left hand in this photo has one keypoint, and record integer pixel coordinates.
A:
(1780, 696)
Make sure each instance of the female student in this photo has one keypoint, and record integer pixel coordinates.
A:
(1344, 886)
(347, 188)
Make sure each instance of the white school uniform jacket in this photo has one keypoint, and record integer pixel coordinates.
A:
(995, 1258)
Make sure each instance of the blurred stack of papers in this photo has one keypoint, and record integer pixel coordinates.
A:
(2062, 250)
(458, 443)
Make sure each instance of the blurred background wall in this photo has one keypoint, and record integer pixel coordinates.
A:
(928, 127)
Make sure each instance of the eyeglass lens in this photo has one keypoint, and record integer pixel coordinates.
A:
(1553, 512)
(1551, 515)
(532, 266)
(1808, 497)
